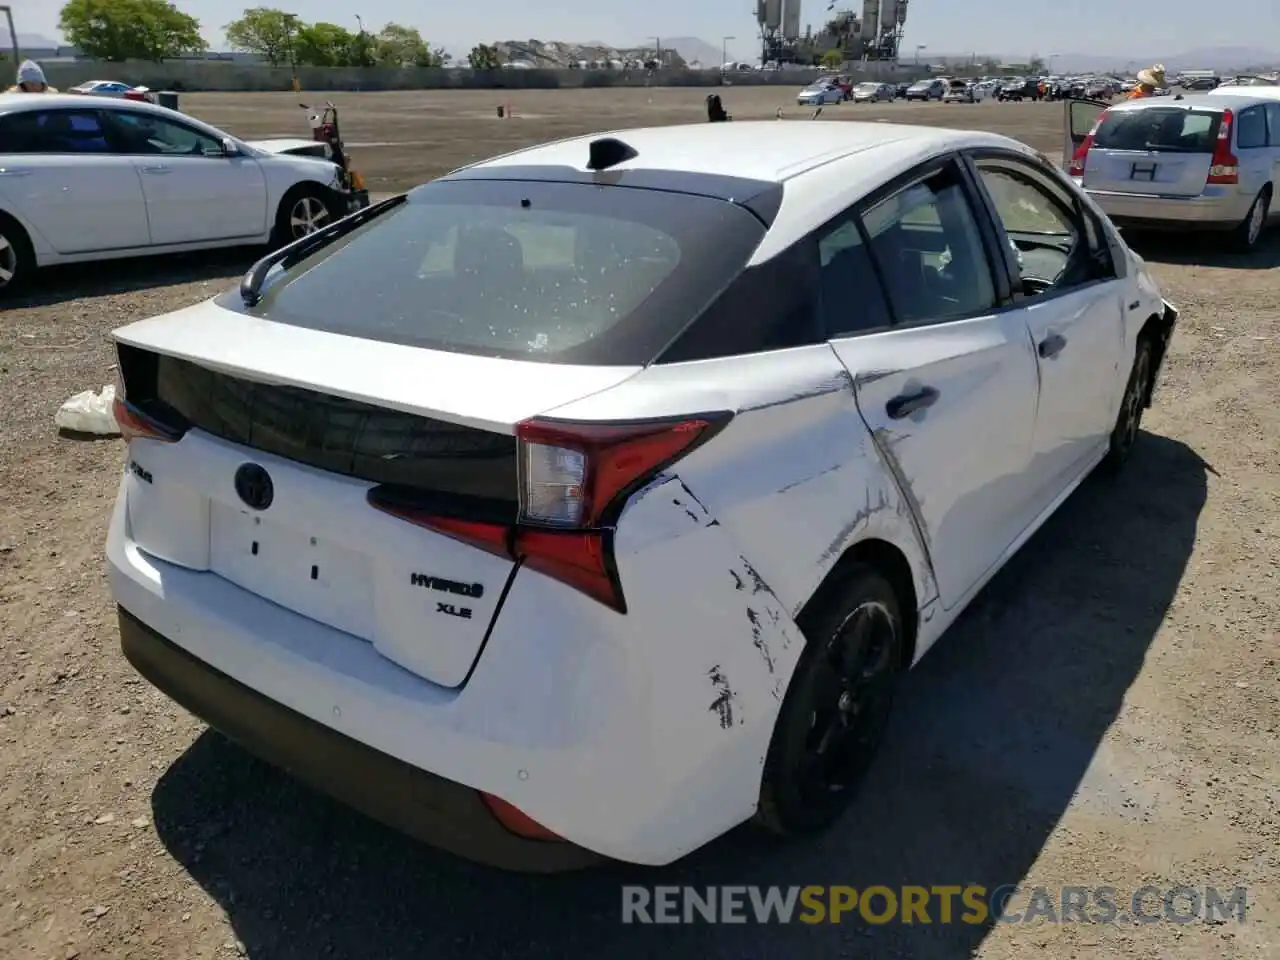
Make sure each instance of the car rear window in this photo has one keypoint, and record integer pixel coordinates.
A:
(543, 271)
(1169, 129)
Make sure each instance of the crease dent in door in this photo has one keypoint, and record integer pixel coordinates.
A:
(884, 440)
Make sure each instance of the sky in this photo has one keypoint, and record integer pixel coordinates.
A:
(1007, 27)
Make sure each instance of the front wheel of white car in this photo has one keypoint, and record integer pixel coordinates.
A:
(837, 707)
(1134, 402)
(303, 211)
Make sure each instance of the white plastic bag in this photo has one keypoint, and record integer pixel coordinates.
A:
(89, 412)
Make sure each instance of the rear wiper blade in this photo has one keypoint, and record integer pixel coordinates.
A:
(251, 285)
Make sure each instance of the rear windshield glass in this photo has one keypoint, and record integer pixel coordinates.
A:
(1170, 129)
(556, 272)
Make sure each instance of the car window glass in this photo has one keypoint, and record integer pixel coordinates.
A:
(1251, 128)
(929, 251)
(852, 299)
(142, 133)
(1048, 243)
(52, 131)
(1273, 124)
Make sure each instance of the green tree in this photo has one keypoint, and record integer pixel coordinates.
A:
(118, 30)
(397, 46)
(484, 56)
(832, 59)
(264, 31)
(324, 45)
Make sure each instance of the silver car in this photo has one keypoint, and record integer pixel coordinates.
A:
(1201, 162)
(871, 92)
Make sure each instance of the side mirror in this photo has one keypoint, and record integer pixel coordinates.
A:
(229, 148)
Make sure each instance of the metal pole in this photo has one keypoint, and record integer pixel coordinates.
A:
(13, 37)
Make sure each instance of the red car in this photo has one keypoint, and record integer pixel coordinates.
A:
(844, 83)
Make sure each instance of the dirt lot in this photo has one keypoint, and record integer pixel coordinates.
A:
(1106, 714)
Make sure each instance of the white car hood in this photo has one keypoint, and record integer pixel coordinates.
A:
(483, 392)
(283, 145)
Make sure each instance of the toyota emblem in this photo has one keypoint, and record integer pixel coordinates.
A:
(254, 486)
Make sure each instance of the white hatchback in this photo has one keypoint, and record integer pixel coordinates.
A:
(593, 500)
(84, 180)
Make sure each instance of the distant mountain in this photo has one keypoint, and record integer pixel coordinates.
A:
(33, 41)
(691, 49)
(1206, 58)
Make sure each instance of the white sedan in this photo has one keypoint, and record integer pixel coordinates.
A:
(594, 499)
(111, 88)
(820, 94)
(113, 178)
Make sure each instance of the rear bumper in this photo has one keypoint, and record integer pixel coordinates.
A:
(1223, 211)
(430, 808)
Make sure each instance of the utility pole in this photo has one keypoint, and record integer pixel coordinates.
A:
(13, 36)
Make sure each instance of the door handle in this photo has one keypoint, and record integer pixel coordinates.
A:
(905, 404)
(157, 169)
(1051, 346)
(1135, 305)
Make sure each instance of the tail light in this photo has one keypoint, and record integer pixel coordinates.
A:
(516, 820)
(134, 423)
(1081, 156)
(1224, 167)
(574, 480)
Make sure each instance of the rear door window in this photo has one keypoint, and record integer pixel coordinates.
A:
(1273, 124)
(1166, 129)
(927, 246)
(53, 131)
(557, 272)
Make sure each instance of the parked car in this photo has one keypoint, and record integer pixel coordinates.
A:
(1019, 90)
(844, 83)
(900, 90)
(668, 577)
(927, 90)
(1252, 85)
(820, 94)
(959, 91)
(871, 92)
(115, 89)
(1204, 162)
(115, 178)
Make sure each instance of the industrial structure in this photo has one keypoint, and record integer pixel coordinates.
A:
(876, 35)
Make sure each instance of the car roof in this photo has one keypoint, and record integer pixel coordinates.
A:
(1203, 101)
(768, 150)
(43, 101)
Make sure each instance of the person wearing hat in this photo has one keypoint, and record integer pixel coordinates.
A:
(31, 79)
(1150, 79)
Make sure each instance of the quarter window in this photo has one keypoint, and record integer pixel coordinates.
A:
(1273, 123)
(926, 243)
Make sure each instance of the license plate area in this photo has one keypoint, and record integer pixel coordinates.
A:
(1143, 171)
(309, 575)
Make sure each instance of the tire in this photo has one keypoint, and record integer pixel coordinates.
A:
(17, 259)
(843, 686)
(1246, 236)
(304, 209)
(1136, 391)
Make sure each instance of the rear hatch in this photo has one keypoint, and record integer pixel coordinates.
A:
(1165, 150)
(287, 446)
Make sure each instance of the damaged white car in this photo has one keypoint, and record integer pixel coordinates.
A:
(590, 501)
(100, 179)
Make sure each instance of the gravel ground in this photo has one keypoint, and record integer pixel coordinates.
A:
(1105, 715)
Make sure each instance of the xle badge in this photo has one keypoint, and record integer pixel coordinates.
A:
(451, 610)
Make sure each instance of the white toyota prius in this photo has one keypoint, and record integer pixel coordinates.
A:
(592, 500)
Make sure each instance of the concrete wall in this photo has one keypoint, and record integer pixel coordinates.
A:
(212, 75)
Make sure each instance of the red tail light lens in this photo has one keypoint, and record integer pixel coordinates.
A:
(136, 425)
(1224, 167)
(1081, 156)
(574, 479)
(516, 820)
